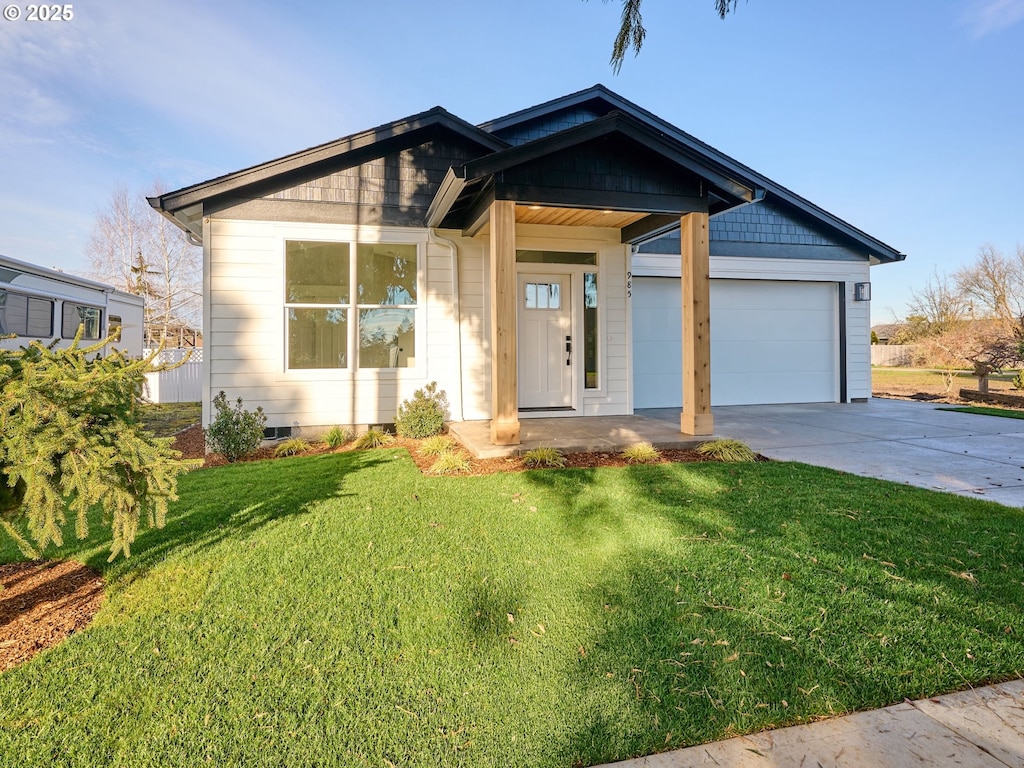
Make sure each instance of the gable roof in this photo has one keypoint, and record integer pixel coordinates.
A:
(319, 160)
(600, 99)
(529, 135)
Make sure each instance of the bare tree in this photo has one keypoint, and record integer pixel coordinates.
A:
(942, 304)
(137, 250)
(995, 284)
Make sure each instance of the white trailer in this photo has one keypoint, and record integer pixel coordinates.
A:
(48, 305)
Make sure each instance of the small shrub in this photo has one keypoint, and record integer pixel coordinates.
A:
(374, 437)
(424, 415)
(1018, 380)
(291, 447)
(235, 432)
(641, 453)
(436, 445)
(544, 457)
(726, 449)
(338, 436)
(450, 462)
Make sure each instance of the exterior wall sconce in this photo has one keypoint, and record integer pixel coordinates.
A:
(862, 291)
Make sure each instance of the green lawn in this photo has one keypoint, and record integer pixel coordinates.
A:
(346, 610)
(167, 419)
(933, 381)
(982, 410)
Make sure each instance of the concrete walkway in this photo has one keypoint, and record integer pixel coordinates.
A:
(983, 728)
(898, 440)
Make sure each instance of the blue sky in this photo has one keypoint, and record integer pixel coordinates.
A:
(904, 119)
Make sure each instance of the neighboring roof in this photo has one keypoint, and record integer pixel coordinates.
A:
(606, 113)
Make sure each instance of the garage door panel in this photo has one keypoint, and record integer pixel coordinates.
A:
(650, 323)
(786, 325)
(762, 357)
(662, 357)
(735, 389)
(664, 389)
(771, 342)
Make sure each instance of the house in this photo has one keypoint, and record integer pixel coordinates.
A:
(48, 305)
(580, 257)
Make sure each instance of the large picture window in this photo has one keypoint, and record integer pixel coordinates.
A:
(386, 279)
(317, 301)
(324, 286)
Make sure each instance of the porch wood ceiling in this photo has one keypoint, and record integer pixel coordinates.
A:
(575, 217)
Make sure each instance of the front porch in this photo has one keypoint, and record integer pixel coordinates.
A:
(624, 180)
(576, 434)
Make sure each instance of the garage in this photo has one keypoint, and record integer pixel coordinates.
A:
(772, 341)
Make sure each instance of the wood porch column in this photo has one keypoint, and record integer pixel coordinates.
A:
(696, 418)
(504, 373)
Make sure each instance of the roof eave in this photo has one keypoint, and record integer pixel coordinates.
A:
(323, 153)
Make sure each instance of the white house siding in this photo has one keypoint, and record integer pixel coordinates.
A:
(245, 333)
(474, 327)
(858, 359)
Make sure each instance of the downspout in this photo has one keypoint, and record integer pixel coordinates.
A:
(436, 239)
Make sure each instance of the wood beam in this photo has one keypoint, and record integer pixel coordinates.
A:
(504, 373)
(481, 211)
(599, 199)
(696, 418)
(649, 228)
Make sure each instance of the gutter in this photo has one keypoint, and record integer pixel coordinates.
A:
(436, 239)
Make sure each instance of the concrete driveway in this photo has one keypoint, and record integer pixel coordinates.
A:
(903, 441)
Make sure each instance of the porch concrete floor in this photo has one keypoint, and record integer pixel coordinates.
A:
(576, 434)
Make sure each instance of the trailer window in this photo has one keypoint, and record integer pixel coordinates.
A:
(76, 315)
(26, 315)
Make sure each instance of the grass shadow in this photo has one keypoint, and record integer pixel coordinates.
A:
(214, 505)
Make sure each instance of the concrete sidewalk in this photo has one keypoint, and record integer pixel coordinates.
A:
(982, 728)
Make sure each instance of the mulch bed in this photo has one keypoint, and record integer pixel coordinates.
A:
(191, 443)
(41, 604)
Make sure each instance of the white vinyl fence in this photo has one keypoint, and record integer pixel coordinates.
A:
(892, 355)
(183, 384)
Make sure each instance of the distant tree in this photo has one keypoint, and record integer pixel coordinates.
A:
(71, 439)
(912, 329)
(995, 284)
(942, 305)
(632, 32)
(973, 344)
(137, 250)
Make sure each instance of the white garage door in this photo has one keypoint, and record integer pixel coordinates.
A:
(771, 342)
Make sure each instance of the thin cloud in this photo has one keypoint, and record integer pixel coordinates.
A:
(185, 64)
(984, 17)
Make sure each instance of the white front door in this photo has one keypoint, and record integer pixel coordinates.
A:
(545, 346)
